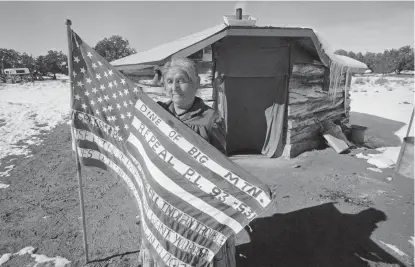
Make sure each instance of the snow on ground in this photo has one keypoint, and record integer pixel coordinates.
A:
(28, 110)
(390, 98)
(38, 258)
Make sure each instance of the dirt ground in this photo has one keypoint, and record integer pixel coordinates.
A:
(329, 210)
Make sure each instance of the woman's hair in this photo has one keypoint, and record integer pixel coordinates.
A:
(185, 64)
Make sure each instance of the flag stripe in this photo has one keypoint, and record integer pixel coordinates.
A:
(190, 187)
(150, 236)
(183, 224)
(91, 140)
(168, 184)
(166, 234)
(198, 219)
(141, 122)
(197, 181)
(257, 193)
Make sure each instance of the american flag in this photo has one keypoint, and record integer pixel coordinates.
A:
(190, 196)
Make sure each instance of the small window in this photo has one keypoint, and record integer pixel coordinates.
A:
(20, 71)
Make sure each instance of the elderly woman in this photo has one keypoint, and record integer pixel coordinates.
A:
(181, 82)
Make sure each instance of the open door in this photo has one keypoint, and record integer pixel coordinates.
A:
(254, 72)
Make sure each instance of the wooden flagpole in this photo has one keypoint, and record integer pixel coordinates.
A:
(78, 165)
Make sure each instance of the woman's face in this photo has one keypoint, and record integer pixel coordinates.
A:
(181, 89)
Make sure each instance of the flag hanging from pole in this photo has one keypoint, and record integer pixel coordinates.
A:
(190, 196)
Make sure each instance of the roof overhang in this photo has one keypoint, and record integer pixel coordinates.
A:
(189, 45)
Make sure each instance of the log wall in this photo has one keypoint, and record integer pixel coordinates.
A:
(309, 101)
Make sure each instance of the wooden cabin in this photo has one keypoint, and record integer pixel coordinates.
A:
(273, 86)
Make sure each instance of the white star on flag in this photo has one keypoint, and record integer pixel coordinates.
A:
(103, 129)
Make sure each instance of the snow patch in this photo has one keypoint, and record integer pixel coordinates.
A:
(392, 99)
(59, 261)
(39, 259)
(7, 171)
(3, 186)
(362, 156)
(26, 250)
(386, 159)
(374, 169)
(5, 258)
(28, 110)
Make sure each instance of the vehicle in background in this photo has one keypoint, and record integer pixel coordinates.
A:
(15, 75)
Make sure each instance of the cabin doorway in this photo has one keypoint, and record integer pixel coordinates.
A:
(255, 74)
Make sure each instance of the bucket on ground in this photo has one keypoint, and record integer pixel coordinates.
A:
(405, 164)
(358, 134)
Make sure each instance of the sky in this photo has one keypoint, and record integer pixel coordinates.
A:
(36, 27)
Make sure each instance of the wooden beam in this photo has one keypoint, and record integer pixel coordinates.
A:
(293, 150)
(311, 107)
(301, 122)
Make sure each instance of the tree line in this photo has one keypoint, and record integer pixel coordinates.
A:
(116, 47)
(393, 60)
(54, 62)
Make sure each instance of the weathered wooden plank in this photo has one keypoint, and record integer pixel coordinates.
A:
(307, 70)
(307, 87)
(301, 122)
(293, 150)
(305, 108)
(298, 95)
(309, 132)
(295, 98)
(304, 81)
